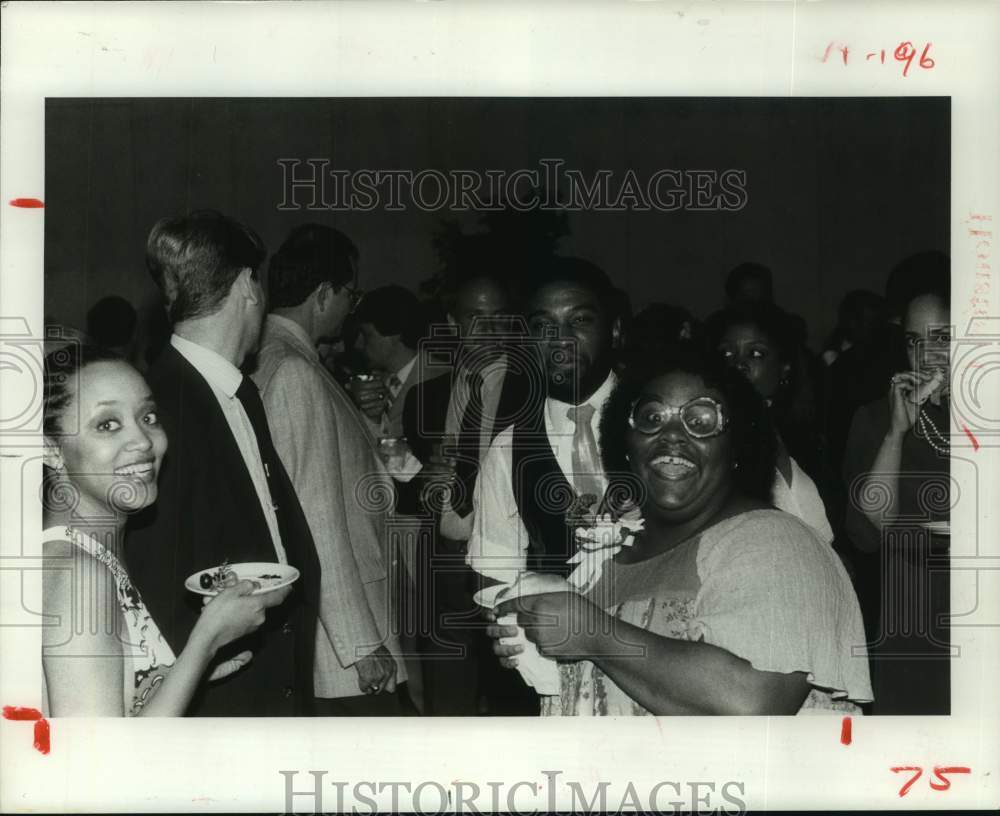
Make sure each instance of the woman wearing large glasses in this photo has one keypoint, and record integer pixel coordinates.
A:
(722, 605)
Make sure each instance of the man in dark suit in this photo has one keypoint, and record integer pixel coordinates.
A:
(224, 494)
(450, 421)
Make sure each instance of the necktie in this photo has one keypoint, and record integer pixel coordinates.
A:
(394, 384)
(586, 459)
(248, 394)
(470, 429)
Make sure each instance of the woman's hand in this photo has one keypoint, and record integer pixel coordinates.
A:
(561, 624)
(507, 652)
(234, 612)
(902, 406)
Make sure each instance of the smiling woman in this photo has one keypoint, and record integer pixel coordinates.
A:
(723, 605)
(104, 655)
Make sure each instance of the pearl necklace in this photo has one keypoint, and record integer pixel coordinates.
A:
(930, 432)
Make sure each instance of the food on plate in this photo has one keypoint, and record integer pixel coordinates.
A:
(221, 577)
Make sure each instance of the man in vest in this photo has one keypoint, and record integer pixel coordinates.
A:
(550, 452)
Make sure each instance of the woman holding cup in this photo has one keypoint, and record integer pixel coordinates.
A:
(723, 604)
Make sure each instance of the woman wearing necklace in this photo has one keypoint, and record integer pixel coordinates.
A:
(103, 655)
(896, 468)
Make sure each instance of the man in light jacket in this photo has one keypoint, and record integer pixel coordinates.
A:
(331, 456)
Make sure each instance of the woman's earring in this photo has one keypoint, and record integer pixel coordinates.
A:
(627, 458)
(736, 465)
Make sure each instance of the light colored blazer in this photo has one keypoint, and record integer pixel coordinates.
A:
(330, 455)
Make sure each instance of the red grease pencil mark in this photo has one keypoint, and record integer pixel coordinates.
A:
(919, 772)
(41, 742)
(975, 442)
(28, 203)
(16, 713)
(845, 731)
(946, 783)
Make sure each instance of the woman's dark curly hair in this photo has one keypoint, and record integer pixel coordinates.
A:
(795, 407)
(753, 438)
(62, 369)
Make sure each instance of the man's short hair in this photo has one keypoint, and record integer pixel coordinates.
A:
(394, 310)
(575, 272)
(311, 254)
(749, 271)
(195, 258)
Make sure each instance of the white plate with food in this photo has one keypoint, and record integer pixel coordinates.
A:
(941, 528)
(269, 576)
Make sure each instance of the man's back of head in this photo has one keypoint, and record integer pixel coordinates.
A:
(311, 254)
(194, 259)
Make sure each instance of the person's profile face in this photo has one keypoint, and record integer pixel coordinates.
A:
(574, 335)
(376, 347)
(338, 303)
(927, 334)
(683, 475)
(753, 353)
(114, 454)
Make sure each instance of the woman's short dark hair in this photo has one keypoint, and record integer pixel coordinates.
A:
(62, 368)
(768, 318)
(311, 254)
(752, 435)
(925, 273)
(194, 259)
(794, 408)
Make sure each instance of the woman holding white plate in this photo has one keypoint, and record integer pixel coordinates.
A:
(102, 654)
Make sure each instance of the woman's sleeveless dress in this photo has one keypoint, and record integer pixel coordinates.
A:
(148, 657)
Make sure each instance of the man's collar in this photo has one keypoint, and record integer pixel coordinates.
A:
(404, 372)
(289, 326)
(557, 409)
(216, 369)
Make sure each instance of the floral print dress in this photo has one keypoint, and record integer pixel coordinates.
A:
(760, 585)
(148, 657)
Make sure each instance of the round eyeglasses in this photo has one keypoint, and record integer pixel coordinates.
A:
(701, 417)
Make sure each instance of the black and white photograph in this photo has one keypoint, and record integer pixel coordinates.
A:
(456, 412)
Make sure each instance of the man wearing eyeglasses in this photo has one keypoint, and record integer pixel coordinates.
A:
(546, 466)
(331, 456)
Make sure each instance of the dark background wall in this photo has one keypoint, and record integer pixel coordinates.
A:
(838, 189)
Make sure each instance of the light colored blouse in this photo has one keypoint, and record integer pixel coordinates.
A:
(760, 585)
(148, 657)
(802, 500)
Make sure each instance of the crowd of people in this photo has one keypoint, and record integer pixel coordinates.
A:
(408, 454)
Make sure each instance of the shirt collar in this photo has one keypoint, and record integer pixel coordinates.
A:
(291, 327)
(218, 372)
(556, 409)
(404, 372)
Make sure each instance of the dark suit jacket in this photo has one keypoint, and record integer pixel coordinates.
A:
(207, 511)
(424, 416)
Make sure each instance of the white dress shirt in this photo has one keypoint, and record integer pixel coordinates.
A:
(382, 426)
(224, 379)
(498, 545)
(454, 526)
